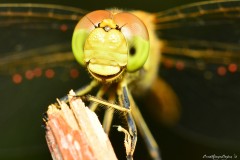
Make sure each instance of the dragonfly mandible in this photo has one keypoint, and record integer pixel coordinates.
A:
(193, 47)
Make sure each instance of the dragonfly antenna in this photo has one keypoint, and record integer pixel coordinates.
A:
(92, 22)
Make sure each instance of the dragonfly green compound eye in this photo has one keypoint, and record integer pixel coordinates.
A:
(109, 43)
(138, 53)
(136, 35)
(78, 41)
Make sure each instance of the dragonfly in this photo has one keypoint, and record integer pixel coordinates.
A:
(198, 68)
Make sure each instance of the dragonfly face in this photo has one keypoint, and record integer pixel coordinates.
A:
(109, 43)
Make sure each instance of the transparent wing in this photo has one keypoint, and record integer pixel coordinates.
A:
(205, 30)
(35, 35)
(201, 54)
(36, 66)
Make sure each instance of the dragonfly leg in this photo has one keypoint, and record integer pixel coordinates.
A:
(107, 121)
(152, 146)
(82, 91)
(130, 141)
(133, 132)
(103, 103)
(108, 116)
(127, 141)
(100, 93)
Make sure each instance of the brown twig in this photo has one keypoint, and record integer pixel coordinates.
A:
(75, 133)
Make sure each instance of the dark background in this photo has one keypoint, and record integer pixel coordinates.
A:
(21, 135)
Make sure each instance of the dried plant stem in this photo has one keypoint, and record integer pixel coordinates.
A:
(75, 133)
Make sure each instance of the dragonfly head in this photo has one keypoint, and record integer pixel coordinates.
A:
(107, 44)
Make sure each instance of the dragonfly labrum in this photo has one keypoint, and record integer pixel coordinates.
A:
(180, 65)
